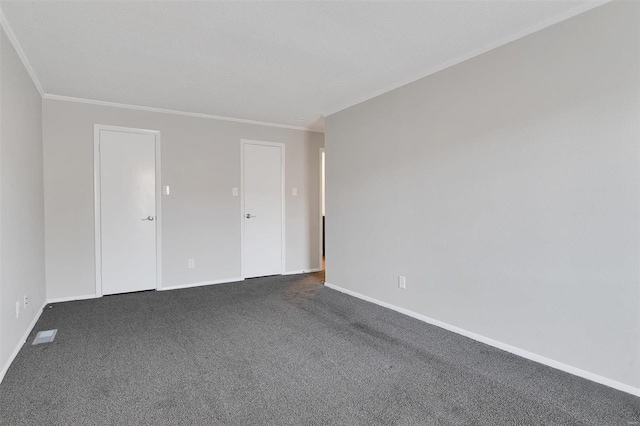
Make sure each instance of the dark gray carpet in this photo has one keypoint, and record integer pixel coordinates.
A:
(280, 351)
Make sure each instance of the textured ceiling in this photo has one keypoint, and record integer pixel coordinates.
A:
(288, 63)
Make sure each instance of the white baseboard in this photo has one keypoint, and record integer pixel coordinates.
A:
(21, 342)
(304, 271)
(200, 284)
(497, 344)
(177, 287)
(71, 298)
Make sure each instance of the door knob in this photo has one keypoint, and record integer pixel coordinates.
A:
(249, 216)
(149, 218)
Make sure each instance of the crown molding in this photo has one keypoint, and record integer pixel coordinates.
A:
(174, 112)
(583, 7)
(16, 45)
(23, 57)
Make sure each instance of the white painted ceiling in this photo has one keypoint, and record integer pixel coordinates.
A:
(288, 63)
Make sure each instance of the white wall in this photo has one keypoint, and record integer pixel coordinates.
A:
(21, 202)
(507, 190)
(200, 219)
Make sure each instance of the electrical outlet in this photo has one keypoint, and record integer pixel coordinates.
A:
(26, 301)
(192, 263)
(17, 309)
(402, 282)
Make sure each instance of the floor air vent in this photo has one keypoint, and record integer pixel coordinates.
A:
(45, 336)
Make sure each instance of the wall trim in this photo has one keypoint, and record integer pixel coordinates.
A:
(323, 185)
(16, 45)
(303, 271)
(496, 344)
(175, 112)
(21, 343)
(201, 284)
(72, 298)
(583, 7)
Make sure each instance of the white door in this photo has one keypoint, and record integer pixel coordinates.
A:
(127, 206)
(263, 209)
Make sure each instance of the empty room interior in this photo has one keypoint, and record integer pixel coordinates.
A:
(320, 212)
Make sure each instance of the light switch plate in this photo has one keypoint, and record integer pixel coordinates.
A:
(294, 192)
(166, 190)
(234, 192)
(402, 282)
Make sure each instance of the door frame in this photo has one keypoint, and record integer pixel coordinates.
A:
(244, 142)
(97, 128)
(322, 151)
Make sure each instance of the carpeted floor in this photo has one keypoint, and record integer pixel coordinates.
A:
(280, 351)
